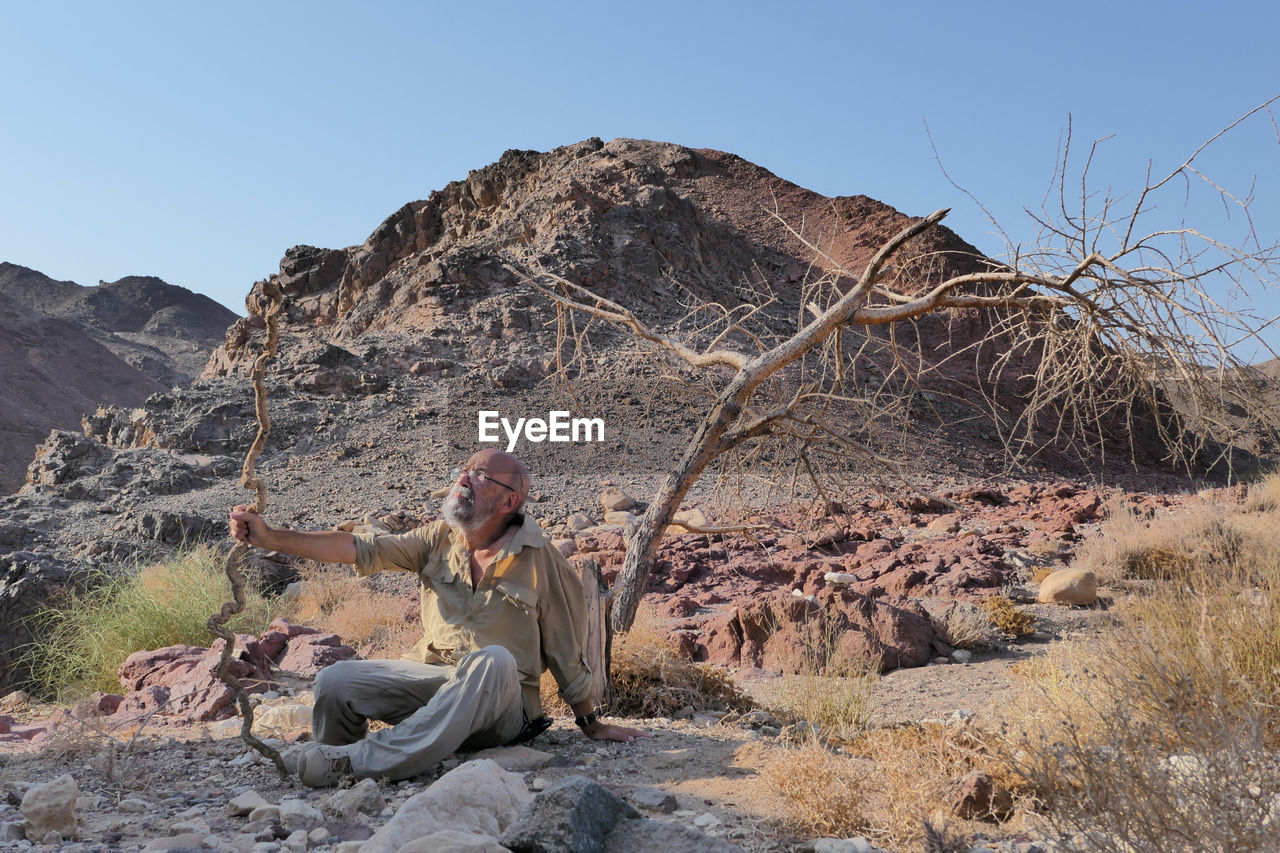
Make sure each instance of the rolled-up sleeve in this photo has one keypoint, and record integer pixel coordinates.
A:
(404, 552)
(563, 622)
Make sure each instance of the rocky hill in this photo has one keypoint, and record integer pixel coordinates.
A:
(163, 330)
(390, 349)
(68, 349)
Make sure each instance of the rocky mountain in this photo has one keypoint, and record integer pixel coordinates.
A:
(54, 372)
(67, 349)
(163, 330)
(390, 350)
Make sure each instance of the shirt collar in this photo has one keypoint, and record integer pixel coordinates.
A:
(529, 535)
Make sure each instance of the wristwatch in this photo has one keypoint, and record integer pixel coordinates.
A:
(586, 721)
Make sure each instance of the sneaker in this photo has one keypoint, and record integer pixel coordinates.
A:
(323, 766)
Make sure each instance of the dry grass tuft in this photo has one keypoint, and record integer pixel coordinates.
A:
(820, 793)
(1007, 619)
(1162, 735)
(376, 624)
(890, 784)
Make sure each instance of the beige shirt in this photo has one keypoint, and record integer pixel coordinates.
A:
(529, 601)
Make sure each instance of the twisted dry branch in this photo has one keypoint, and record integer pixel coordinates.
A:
(267, 305)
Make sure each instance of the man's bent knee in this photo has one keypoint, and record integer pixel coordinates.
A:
(333, 677)
(496, 657)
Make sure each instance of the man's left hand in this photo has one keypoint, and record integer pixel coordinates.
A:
(605, 731)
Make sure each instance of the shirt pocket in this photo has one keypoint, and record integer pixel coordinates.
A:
(520, 596)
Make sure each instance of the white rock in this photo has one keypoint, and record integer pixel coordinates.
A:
(453, 841)
(243, 804)
(540, 783)
(842, 845)
(51, 807)
(626, 519)
(706, 819)
(299, 814)
(960, 715)
(364, 796)
(516, 758)
(294, 715)
(317, 835)
(296, 842)
(267, 812)
(478, 797)
(577, 521)
(839, 577)
(962, 656)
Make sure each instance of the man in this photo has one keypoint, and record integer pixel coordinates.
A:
(498, 602)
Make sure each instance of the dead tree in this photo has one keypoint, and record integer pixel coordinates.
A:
(1095, 325)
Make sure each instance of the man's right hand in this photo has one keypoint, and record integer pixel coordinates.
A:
(247, 525)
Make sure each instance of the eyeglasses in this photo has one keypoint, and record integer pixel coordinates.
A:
(475, 475)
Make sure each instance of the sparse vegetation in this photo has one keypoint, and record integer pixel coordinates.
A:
(1162, 735)
(376, 624)
(1007, 619)
(88, 634)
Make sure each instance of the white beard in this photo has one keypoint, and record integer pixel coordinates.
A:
(459, 509)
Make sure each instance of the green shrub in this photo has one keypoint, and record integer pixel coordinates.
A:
(88, 634)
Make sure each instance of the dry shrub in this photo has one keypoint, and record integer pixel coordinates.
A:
(1162, 735)
(961, 624)
(1264, 495)
(376, 624)
(1198, 539)
(887, 785)
(820, 793)
(1007, 619)
(650, 679)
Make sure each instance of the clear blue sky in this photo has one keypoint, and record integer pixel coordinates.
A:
(197, 142)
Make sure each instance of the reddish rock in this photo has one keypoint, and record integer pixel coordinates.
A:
(309, 654)
(98, 705)
(782, 632)
(290, 630)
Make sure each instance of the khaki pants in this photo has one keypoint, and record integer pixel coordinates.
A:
(433, 710)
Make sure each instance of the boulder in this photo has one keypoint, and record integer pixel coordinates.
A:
(614, 499)
(453, 841)
(579, 815)
(307, 654)
(477, 797)
(1069, 587)
(51, 807)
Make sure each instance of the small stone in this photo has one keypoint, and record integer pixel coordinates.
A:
(626, 519)
(1069, 587)
(12, 831)
(577, 521)
(267, 812)
(614, 499)
(317, 835)
(241, 805)
(365, 796)
(516, 759)
(941, 659)
(960, 715)
(299, 814)
(296, 842)
(539, 783)
(16, 699)
(684, 713)
(840, 577)
(705, 820)
(654, 800)
(962, 656)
